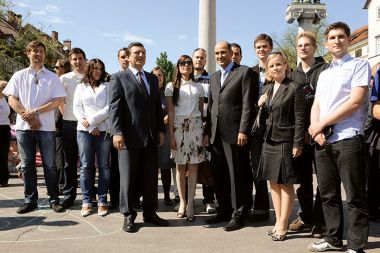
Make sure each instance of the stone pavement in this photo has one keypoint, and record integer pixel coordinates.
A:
(45, 231)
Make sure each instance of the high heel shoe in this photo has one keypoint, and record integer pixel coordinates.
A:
(276, 237)
(271, 232)
(181, 214)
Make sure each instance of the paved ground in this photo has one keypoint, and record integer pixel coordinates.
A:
(45, 231)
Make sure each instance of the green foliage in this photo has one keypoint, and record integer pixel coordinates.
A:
(168, 67)
(4, 6)
(286, 42)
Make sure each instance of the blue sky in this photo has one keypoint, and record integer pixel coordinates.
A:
(100, 28)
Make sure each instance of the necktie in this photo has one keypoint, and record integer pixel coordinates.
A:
(142, 85)
(223, 77)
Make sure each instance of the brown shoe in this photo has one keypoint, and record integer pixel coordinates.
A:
(297, 225)
(86, 211)
(102, 210)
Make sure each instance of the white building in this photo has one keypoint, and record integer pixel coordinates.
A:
(373, 7)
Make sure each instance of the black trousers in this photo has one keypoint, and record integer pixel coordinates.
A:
(344, 162)
(59, 160)
(138, 176)
(310, 211)
(374, 182)
(5, 136)
(70, 150)
(261, 204)
(233, 177)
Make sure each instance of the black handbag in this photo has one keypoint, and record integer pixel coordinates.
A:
(258, 127)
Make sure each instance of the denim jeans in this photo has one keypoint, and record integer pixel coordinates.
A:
(27, 141)
(89, 147)
(70, 151)
(344, 162)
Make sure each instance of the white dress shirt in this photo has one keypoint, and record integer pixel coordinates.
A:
(4, 112)
(70, 82)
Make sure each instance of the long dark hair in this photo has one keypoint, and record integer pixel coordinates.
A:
(177, 78)
(87, 79)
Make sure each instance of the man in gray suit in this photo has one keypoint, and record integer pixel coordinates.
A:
(137, 127)
(227, 128)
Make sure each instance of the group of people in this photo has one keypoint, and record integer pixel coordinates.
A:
(313, 119)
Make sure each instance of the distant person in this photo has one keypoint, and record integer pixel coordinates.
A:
(185, 108)
(165, 163)
(310, 214)
(34, 93)
(263, 46)
(137, 129)
(122, 58)
(201, 76)
(91, 108)
(341, 102)
(62, 66)
(70, 82)
(5, 136)
(237, 53)
(227, 128)
(284, 103)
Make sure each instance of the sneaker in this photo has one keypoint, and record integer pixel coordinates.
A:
(322, 245)
(86, 211)
(102, 210)
(317, 232)
(57, 208)
(26, 208)
(210, 208)
(297, 225)
(355, 251)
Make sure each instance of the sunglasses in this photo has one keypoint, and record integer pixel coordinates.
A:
(57, 67)
(183, 63)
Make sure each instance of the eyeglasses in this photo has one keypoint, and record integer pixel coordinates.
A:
(183, 63)
(35, 79)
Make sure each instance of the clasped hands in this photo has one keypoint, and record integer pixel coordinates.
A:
(31, 117)
(316, 132)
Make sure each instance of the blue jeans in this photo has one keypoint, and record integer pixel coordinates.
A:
(89, 146)
(27, 141)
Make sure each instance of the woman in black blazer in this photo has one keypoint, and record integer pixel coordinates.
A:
(284, 105)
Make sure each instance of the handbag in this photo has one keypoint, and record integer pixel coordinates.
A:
(205, 175)
(258, 127)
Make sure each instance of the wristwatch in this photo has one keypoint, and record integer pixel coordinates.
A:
(37, 112)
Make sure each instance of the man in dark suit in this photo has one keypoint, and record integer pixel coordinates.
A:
(137, 129)
(227, 128)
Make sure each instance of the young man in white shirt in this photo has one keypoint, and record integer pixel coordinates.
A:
(341, 101)
(34, 93)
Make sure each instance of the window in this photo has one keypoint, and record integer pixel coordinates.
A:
(377, 45)
(378, 13)
(358, 53)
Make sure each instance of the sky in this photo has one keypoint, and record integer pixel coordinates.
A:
(100, 28)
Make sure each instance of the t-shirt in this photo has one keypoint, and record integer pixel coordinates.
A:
(34, 89)
(4, 112)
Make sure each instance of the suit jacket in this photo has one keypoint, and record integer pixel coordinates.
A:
(229, 108)
(286, 113)
(132, 115)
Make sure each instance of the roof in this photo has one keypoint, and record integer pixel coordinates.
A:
(359, 35)
(367, 2)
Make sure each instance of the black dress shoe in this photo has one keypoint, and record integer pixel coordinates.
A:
(234, 224)
(67, 203)
(129, 225)
(57, 208)
(27, 207)
(156, 220)
(218, 218)
(168, 202)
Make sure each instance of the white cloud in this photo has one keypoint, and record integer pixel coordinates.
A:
(112, 35)
(51, 8)
(132, 37)
(56, 20)
(182, 36)
(38, 13)
(21, 4)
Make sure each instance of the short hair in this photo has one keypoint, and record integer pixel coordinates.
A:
(338, 25)
(238, 46)
(65, 64)
(308, 35)
(265, 37)
(123, 49)
(272, 55)
(3, 84)
(200, 49)
(134, 44)
(229, 48)
(77, 50)
(34, 44)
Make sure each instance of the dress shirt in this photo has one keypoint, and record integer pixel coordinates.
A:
(334, 88)
(135, 73)
(224, 73)
(70, 82)
(34, 89)
(188, 101)
(92, 106)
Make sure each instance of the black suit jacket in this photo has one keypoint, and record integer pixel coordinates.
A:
(286, 113)
(229, 108)
(132, 115)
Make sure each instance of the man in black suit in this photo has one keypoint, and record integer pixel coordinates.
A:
(137, 129)
(227, 128)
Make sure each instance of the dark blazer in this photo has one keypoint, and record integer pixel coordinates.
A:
(230, 106)
(286, 113)
(130, 114)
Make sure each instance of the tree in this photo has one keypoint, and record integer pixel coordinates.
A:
(4, 6)
(286, 43)
(168, 67)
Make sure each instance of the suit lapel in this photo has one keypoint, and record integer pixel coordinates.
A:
(217, 80)
(280, 90)
(230, 75)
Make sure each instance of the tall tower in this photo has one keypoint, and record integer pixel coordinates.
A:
(207, 31)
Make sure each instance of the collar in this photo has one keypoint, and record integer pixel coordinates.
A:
(229, 67)
(135, 71)
(186, 82)
(340, 61)
(43, 70)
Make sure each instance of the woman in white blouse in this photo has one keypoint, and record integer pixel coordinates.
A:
(185, 107)
(91, 106)
(5, 135)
